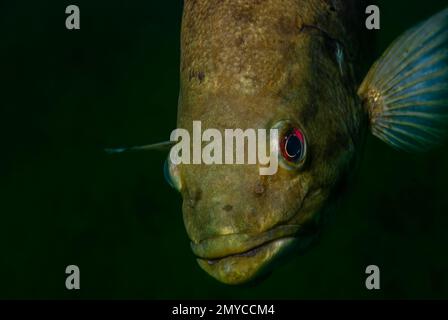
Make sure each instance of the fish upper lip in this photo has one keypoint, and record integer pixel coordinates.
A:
(239, 243)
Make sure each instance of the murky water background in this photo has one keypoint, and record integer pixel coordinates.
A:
(66, 95)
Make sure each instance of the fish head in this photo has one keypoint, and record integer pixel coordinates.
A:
(257, 71)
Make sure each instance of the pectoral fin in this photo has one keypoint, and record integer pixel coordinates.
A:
(406, 91)
(161, 146)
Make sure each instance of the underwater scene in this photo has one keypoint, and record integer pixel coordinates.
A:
(101, 193)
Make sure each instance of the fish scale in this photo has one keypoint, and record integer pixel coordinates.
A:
(252, 64)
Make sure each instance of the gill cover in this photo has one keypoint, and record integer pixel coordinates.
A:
(406, 91)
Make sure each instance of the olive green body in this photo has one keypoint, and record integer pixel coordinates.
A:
(249, 64)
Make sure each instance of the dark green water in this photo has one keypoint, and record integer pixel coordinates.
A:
(66, 95)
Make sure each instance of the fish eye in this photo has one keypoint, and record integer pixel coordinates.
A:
(292, 145)
(171, 175)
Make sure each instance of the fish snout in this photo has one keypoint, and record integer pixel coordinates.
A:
(222, 200)
(206, 217)
(238, 221)
(241, 257)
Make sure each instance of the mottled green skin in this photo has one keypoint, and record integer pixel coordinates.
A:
(248, 64)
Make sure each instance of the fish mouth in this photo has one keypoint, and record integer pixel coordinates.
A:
(239, 258)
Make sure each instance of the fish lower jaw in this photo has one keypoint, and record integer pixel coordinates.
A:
(243, 267)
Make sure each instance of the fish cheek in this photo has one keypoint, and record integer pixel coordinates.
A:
(312, 181)
(283, 197)
(330, 161)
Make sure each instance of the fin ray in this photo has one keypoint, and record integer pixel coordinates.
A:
(155, 146)
(406, 91)
(416, 39)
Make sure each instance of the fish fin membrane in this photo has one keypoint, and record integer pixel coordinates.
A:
(406, 90)
(161, 146)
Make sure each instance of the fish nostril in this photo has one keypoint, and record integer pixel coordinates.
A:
(194, 197)
(227, 208)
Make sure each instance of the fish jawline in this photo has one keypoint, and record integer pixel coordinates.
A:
(244, 267)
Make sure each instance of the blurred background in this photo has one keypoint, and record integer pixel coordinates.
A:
(65, 95)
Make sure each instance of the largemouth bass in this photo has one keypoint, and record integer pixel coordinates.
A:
(289, 65)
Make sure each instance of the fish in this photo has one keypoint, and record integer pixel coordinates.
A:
(292, 65)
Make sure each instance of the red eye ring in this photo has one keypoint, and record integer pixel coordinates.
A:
(292, 145)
